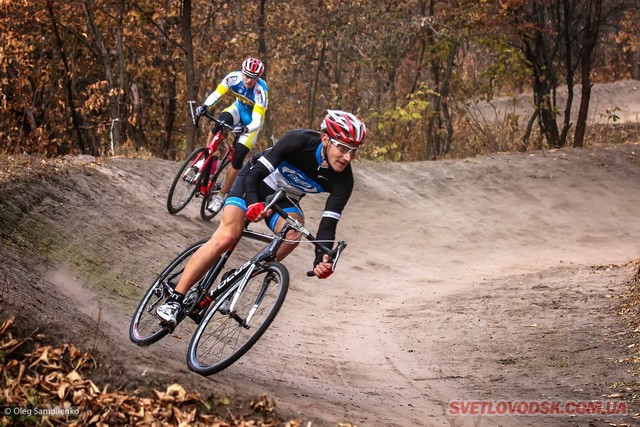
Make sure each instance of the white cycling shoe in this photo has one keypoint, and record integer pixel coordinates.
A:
(168, 312)
(216, 203)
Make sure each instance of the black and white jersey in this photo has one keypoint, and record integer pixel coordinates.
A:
(296, 164)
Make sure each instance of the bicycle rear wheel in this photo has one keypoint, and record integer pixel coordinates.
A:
(221, 338)
(186, 182)
(146, 327)
(218, 179)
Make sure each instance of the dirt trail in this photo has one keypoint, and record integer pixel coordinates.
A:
(493, 278)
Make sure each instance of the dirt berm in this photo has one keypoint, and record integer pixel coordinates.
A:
(489, 279)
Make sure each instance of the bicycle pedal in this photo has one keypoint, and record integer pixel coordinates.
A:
(170, 327)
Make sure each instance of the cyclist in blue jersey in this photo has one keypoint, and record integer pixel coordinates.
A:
(302, 162)
(247, 112)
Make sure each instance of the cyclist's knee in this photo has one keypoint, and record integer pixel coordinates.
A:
(229, 231)
(293, 237)
(225, 117)
(224, 238)
(240, 153)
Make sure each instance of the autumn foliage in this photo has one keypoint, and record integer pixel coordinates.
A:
(44, 384)
(99, 77)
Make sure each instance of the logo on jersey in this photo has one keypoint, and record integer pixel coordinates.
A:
(299, 180)
(244, 99)
(231, 80)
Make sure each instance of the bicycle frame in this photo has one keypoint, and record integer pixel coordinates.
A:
(203, 173)
(205, 288)
(209, 294)
(211, 163)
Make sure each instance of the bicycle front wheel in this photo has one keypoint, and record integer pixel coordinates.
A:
(206, 210)
(185, 184)
(223, 336)
(146, 327)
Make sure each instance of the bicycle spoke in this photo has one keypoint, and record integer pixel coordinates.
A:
(185, 183)
(221, 338)
(146, 327)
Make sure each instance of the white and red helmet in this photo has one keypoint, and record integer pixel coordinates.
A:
(252, 67)
(344, 126)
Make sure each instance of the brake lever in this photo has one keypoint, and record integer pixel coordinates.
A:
(333, 255)
(336, 253)
(273, 199)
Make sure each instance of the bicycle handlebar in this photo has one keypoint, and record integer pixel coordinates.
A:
(334, 254)
(196, 119)
(215, 119)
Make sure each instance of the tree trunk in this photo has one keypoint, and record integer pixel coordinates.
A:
(84, 144)
(540, 53)
(168, 84)
(527, 133)
(569, 70)
(547, 116)
(433, 143)
(137, 128)
(262, 52)
(121, 98)
(589, 42)
(115, 93)
(313, 86)
(192, 90)
(440, 123)
(422, 5)
(636, 64)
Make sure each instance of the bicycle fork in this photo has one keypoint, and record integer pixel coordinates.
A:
(236, 295)
(245, 323)
(260, 297)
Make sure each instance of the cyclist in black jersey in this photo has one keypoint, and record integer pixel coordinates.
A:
(302, 162)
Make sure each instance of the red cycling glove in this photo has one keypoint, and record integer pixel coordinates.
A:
(254, 210)
(328, 272)
(325, 274)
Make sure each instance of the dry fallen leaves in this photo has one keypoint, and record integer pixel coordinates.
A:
(47, 377)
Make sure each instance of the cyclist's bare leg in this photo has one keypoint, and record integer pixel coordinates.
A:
(286, 248)
(225, 237)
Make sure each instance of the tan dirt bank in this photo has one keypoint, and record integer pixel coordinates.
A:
(488, 279)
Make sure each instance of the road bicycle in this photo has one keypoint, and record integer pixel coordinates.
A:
(230, 314)
(203, 172)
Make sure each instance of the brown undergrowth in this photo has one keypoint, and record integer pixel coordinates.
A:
(47, 384)
(630, 312)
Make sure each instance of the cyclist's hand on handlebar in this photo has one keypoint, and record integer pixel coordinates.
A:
(240, 129)
(200, 110)
(324, 268)
(256, 212)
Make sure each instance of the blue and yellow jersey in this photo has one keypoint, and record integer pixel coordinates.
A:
(253, 101)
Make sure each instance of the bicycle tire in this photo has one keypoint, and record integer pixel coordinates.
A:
(181, 191)
(145, 328)
(220, 339)
(205, 213)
